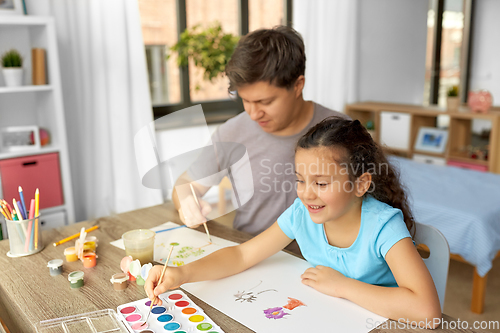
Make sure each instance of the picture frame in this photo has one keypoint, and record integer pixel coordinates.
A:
(431, 140)
(19, 138)
(12, 7)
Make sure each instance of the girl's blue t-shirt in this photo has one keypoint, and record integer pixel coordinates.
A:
(381, 227)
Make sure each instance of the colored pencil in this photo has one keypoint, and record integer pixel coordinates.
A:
(23, 206)
(21, 209)
(67, 239)
(198, 203)
(7, 204)
(37, 204)
(6, 210)
(163, 230)
(31, 229)
(4, 214)
(20, 229)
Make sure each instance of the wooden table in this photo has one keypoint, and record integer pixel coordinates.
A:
(25, 283)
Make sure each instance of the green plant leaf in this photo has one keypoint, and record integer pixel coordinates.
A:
(210, 49)
(12, 58)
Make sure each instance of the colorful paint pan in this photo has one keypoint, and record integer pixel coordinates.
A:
(189, 311)
(128, 310)
(172, 326)
(165, 318)
(204, 327)
(196, 318)
(185, 317)
(147, 331)
(139, 326)
(181, 304)
(158, 310)
(133, 317)
(175, 297)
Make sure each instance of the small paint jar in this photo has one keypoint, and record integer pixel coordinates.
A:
(91, 242)
(140, 281)
(119, 281)
(55, 267)
(75, 279)
(70, 253)
(89, 259)
(89, 246)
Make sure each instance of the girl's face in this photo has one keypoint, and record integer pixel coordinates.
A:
(323, 184)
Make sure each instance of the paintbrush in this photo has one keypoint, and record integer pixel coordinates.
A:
(198, 203)
(159, 282)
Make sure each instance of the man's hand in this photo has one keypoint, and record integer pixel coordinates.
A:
(192, 215)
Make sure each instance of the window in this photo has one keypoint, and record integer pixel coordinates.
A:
(448, 40)
(173, 88)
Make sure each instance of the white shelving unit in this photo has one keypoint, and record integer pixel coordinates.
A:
(38, 105)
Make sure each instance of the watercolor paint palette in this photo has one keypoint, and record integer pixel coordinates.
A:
(177, 314)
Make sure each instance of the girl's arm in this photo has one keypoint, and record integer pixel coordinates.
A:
(222, 263)
(415, 300)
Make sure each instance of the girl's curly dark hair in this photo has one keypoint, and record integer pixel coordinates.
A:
(363, 155)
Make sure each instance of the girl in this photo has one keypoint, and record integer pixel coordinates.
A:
(352, 223)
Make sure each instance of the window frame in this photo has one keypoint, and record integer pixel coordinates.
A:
(214, 110)
(465, 56)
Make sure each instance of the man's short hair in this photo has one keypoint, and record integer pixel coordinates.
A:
(273, 55)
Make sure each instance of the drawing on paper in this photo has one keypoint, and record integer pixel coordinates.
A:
(187, 251)
(293, 303)
(278, 312)
(275, 313)
(250, 296)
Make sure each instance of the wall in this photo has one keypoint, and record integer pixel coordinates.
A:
(392, 36)
(485, 66)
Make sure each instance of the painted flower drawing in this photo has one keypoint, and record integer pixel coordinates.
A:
(275, 313)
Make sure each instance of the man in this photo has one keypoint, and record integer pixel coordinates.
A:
(267, 71)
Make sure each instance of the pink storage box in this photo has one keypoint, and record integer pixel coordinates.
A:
(32, 172)
(465, 165)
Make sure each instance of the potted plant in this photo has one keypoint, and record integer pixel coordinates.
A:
(453, 101)
(209, 49)
(12, 63)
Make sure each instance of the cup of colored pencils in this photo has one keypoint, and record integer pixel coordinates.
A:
(23, 225)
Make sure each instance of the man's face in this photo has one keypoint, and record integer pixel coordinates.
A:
(273, 108)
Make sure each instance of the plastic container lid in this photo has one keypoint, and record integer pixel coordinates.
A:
(119, 278)
(135, 267)
(56, 263)
(69, 250)
(125, 263)
(75, 276)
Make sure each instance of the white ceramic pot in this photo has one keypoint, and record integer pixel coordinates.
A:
(13, 76)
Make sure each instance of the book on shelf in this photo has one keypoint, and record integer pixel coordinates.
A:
(39, 76)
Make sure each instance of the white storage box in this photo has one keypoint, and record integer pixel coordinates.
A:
(395, 129)
(52, 220)
(429, 159)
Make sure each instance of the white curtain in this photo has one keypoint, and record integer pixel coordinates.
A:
(106, 101)
(329, 29)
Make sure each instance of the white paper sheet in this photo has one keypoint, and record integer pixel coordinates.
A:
(267, 286)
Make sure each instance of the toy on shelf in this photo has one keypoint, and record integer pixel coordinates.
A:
(480, 101)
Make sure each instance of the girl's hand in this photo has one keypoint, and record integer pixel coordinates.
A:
(324, 279)
(173, 278)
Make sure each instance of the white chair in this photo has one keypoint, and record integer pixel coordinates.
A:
(439, 256)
